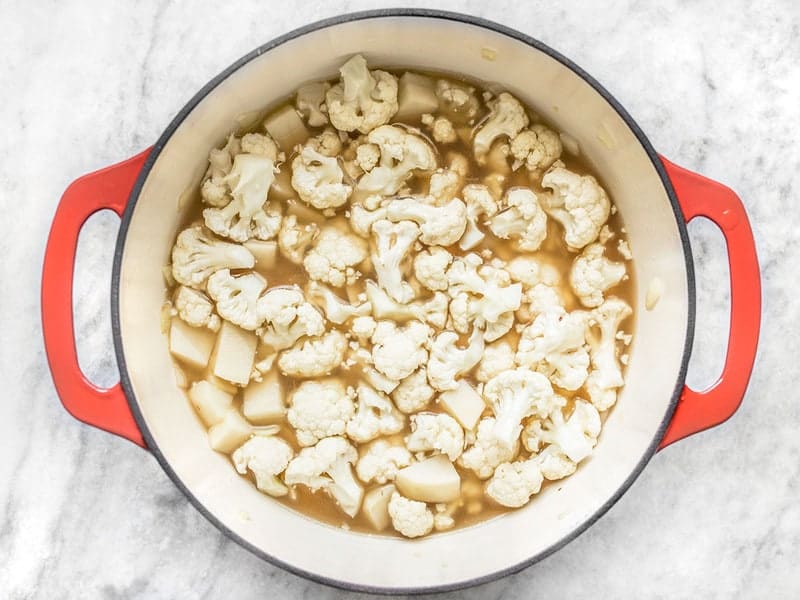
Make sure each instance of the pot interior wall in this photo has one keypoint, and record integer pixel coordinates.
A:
(448, 559)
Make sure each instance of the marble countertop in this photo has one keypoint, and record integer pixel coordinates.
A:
(716, 86)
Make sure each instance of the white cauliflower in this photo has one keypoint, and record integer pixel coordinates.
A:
(530, 272)
(554, 464)
(448, 361)
(537, 148)
(444, 184)
(402, 153)
(380, 462)
(237, 297)
(362, 219)
(310, 101)
(439, 225)
(554, 345)
(327, 466)
(516, 395)
(606, 375)
(413, 394)
(367, 156)
(393, 241)
(441, 128)
(376, 415)
(197, 254)
(480, 202)
(328, 143)
(195, 308)
(267, 457)
(507, 118)
(363, 327)
(411, 518)
(214, 191)
(314, 357)
(487, 452)
(513, 484)
(433, 310)
(319, 409)
(336, 309)
(497, 358)
(430, 268)
(575, 436)
(523, 220)
(294, 238)
(317, 179)
(334, 256)
(592, 274)
(288, 317)
(399, 351)
(362, 99)
(436, 432)
(577, 202)
(457, 100)
(261, 144)
(247, 215)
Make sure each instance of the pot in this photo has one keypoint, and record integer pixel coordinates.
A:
(656, 198)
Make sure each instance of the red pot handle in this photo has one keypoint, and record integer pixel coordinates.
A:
(701, 197)
(108, 188)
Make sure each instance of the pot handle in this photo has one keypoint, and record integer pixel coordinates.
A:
(702, 197)
(107, 188)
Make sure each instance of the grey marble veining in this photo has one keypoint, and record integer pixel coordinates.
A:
(716, 86)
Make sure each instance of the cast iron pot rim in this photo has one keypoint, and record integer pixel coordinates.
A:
(346, 18)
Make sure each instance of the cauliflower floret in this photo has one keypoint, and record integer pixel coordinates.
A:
(487, 452)
(516, 395)
(413, 394)
(430, 268)
(577, 202)
(237, 297)
(376, 415)
(402, 153)
(479, 201)
(327, 466)
(592, 274)
(319, 409)
(197, 254)
(398, 351)
(195, 308)
(368, 156)
(441, 128)
(575, 436)
(436, 432)
(315, 356)
(530, 272)
(317, 179)
(411, 518)
(497, 358)
(214, 191)
(507, 118)
(433, 310)
(537, 148)
(261, 144)
(448, 361)
(513, 484)
(333, 257)
(246, 215)
(522, 220)
(554, 464)
(362, 99)
(606, 376)
(543, 298)
(363, 327)
(381, 461)
(288, 317)
(294, 238)
(336, 309)
(267, 457)
(457, 100)
(439, 225)
(393, 241)
(326, 143)
(362, 219)
(554, 345)
(310, 101)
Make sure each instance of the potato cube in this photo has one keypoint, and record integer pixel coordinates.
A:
(464, 404)
(210, 402)
(225, 386)
(191, 345)
(416, 96)
(234, 353)
(433, 480)
(376, 506)
(230, 433)
(263, 401)
(287, 128)
(265, 253)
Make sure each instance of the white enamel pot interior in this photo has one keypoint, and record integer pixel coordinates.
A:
(613, 145)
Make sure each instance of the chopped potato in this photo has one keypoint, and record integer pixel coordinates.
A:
(190, 345)
(432, 480)
(234, 353)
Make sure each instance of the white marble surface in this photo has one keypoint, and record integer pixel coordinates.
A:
(716, 85)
